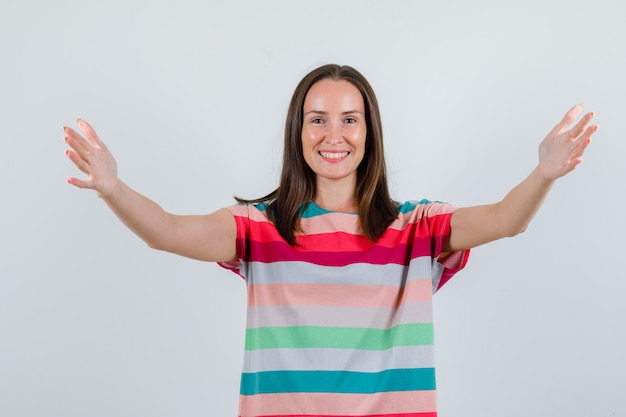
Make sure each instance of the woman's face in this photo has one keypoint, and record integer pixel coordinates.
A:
(334, 130)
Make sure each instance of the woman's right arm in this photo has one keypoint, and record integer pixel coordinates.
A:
(209, 237)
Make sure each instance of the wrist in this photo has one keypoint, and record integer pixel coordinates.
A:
(542, 178)
(112, 191)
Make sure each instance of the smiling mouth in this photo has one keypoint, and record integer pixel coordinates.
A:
(334, 155)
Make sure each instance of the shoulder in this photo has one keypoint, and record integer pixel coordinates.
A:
(252, 211)
(424, 208)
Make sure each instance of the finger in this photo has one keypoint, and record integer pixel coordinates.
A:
(76, 141)
(79, 183)
(573, 163)
(591, 130)
(576, 132)
(90, 133)
(583, 141)
(569, 117)
(80, 163)
(578, 150)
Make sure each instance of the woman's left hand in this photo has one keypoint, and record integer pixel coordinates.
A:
(562, 150)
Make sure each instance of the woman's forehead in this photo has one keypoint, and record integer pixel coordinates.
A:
(333, 95)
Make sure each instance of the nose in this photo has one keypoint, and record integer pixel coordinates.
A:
(333, 134)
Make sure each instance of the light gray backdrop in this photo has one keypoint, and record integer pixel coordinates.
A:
(191, 97)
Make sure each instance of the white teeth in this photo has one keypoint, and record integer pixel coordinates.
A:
(334, 155)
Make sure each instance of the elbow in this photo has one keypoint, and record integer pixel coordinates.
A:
(157, 244)
(153, 245)
(514, 231)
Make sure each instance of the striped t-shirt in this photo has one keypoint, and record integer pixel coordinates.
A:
(338, 325)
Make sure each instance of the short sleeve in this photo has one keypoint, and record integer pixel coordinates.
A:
(242, 219)
(445, 264)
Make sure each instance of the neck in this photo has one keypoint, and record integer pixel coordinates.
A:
(337, 196)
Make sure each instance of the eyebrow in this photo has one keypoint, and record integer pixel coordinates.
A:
(325, 113)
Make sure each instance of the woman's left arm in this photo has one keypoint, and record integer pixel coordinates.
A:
(559, 153)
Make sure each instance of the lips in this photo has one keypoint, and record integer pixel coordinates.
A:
(333, 155)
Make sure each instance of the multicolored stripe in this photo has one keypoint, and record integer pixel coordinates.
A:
(338, 325)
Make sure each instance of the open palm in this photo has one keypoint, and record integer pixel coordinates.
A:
(562, 149)
(91, 156)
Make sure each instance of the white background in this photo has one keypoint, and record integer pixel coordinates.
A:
(191, 98)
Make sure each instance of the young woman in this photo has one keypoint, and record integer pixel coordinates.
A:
(340, 277)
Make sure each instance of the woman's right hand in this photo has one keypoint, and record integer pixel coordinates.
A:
(91, 156)
(209, 237)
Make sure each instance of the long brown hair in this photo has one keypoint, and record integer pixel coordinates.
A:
(297, 182)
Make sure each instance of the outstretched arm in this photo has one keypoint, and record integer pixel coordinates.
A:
(205, 237)
(559, 153)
